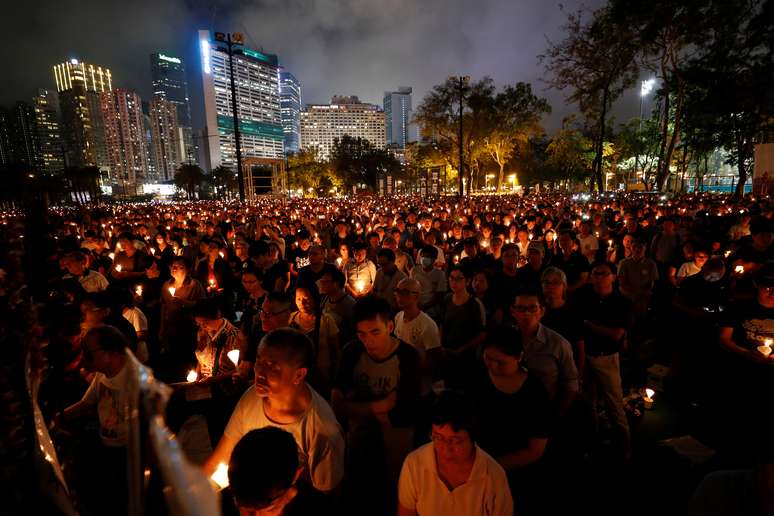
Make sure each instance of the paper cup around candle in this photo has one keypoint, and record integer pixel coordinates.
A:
(360, 285)
(192, 376)
(739, 269)
(233, 355)
(112, 256)
(220, 476)
(118, 268)
(764, 350)
(172, 291)
(138, 290)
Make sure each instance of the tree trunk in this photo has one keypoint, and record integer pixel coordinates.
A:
(500, 175)
(664, 173)
(596, 166)
(740, 164)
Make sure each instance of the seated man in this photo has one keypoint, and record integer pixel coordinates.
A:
(376, 391)
(452, 475)
(264, 477)
(431, 280)
(387, 278)
(281, 397)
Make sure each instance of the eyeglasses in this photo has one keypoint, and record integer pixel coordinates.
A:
(601, 274)
(452, 442)
(457, 278)
(404, 292)
(267, 313)
(523, 309)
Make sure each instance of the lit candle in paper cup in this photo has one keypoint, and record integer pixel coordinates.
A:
(138, 290)
(233, 355)
(118, 268)
(338, 261)
(739, 269)
(648, 399)
(213, 283)
(360, 285)
(112, 256)
(153, 250)
(530, 236)
(172, 291)
(222, 255)
(192, 376)
(220, 476)
(765, 350)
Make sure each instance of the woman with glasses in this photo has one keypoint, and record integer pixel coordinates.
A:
(324, 334)
(451, 475)
(463, 319)
(515, 413)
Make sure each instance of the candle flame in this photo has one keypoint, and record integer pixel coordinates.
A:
(112, 256)
(118, 268)
(360, 285)
(172, 291)
(650, 393)
(192, 376)
(739, 269)
(233, 355)
(220, 476)
(138, 290)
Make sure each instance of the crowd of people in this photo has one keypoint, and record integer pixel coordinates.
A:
(407, 356)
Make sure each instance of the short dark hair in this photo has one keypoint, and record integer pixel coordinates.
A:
(455, 409)
(258, 248)
(107, 338)
(603, 263)
(280, 298)
(255, 271)
(430, 251)
(371, 307)
(337, 276)
(359, 246)
(387, 253)
(504, 338)
(263, 464)
(207, 308)
(296, 345)
(182, 259)
(530, 292)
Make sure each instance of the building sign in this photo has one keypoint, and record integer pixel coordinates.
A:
(251, 127)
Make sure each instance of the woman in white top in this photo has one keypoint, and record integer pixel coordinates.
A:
(452, 475)
(688, 269)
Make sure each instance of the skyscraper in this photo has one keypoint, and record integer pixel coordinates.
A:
(79, 86)
(322, 124)
(258, 105)
(170, 83)
(290, 104)
(18, 136)
(397, 115)
(124, 132)
(166, 138)
(50, 157)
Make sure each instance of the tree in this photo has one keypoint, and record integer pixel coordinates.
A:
(306, 171)
(224, 182)
(514, 117)
(188, 178)
(569, 154)
(438, 114)
(355, 161)
(596, 61)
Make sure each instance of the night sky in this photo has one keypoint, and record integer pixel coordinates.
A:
(350, 47)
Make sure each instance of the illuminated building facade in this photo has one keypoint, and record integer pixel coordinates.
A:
(170, 84)
(397, 115)
(125, 137)
(258, 104)
(322, 124)
(50, 150)
(290, 103)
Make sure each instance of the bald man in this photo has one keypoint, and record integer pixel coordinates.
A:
(415, 327)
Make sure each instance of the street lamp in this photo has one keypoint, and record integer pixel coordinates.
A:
(645, 88)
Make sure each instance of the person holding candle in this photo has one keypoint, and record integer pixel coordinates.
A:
(387, 278)
(360, 273)
(452, 475)
(129, 264)
(280, 397)
(91, 281)
(431, 280)
(700, 257)
(324, 334)
(337, 303)
(574, 265)
(311, 273)
(178, 329)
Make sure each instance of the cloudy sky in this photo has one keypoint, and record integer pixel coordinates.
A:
(350, 47)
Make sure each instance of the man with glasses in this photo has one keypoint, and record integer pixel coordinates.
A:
(280, 397)
(415, 327)
(546, 353)
(607, 317)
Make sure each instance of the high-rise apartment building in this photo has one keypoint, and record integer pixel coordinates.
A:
(398, 118)
(258, 105)
(125, 137)
(322, 124)
(290, 104)
(170, 83)
(79, 86)
(168, 155)
(50, 146)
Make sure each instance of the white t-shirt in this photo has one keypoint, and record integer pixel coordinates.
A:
(137, 318)
(93, 281)
(111, 396)
(486, 492)
(317, 434)
(688, 269)
(422, 333)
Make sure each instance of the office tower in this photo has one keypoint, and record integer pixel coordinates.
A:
(125, 138)
(258, 105)
(290, 104)
(170, 83)
(19, 136)
(397, 118)
(51, 151)
(322, 124)
(168, 155)
(79, 86)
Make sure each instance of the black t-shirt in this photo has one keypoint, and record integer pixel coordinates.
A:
(752, 323)
(528, 277)
(367, 379)
(565, 322)
(612, 311)
(460, 323)
(508, 421)
(299, 258)
(573, 267)
(307, 501)
(506, 287)
(273, 273)
(307, 278)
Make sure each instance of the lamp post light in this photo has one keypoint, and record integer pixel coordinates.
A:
(645, 88)
(231, 40)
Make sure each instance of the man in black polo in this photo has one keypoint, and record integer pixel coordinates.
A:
(606, 316)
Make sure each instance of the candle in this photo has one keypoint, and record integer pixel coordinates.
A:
(118, 268)
(456, 258)
(727, 253)
(338, 261)
(530, 236)
(213, 283)
(220, 477)
(192, 376)
(233, 355)
(360, 285)
(648, 399)
(739, 269)
(112, 256)
(765, 350)
(118, 246)
(172, 291)
(221, 254)
(610, 243)
(138, 290)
